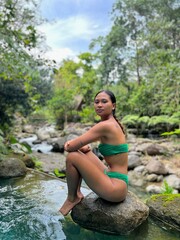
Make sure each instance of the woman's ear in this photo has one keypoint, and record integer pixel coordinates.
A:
(114, 106)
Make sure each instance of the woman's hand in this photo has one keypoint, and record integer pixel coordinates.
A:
(66, 145)
(85, 149)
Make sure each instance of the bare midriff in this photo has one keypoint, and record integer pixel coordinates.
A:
(117, 163)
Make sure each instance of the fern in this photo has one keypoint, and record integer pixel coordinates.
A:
(175, 132)
(158, 120)
(144, 119)
(166, 189)
(130, 119)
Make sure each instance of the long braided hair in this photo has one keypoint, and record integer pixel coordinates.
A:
(113, 100)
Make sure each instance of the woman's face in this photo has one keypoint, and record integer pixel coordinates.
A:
(103, 104)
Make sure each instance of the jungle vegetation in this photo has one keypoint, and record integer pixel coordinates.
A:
(138, 60)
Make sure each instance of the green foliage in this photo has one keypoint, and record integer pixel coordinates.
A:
(27, 147)
(62, 105)
(72, 81)
(175, 132)
(2, 157)
(59, 174)
(38, 165)
(3, 148)
(130, 120)
(138, 60)
(166, 189)
(158, 123)
(155, 120)
(13, 140)
(25, 79)
(144, 119)
(1, 133)
(175, 118)
(87, 114)
(141, 53)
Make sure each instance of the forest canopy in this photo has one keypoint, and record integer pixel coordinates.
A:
(138, 60)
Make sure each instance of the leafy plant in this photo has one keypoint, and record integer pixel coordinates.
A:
(166, 189)
(130, 120)
(175, 132)
(38, 165)
(59, 174)
(155, 120)
(144, 119)
(13, 140)
(87, 114)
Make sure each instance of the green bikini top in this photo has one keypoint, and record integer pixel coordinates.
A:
(107, 149)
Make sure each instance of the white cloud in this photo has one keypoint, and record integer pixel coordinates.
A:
(66, 36)
(63, 30)
(58, 54)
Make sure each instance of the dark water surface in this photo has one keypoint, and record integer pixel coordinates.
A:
(29, 211)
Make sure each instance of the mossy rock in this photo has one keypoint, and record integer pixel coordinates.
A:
(166, 207)
(12, 167)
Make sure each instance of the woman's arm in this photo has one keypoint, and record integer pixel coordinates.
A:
(92, 135)
(85, 148)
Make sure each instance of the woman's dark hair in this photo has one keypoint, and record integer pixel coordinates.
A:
(113, 100)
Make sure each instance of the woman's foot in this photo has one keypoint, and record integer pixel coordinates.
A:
(68, 205)
(80, 195)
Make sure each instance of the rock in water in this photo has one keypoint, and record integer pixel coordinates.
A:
(12, 167)
(166, 208)
(114, 218)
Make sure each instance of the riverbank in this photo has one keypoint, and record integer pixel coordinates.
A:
(151, 161)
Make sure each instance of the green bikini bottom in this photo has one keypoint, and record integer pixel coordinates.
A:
(118, 175)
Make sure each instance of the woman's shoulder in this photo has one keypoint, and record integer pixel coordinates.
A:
(103, 125)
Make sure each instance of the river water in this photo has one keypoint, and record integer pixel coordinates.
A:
(29, 211)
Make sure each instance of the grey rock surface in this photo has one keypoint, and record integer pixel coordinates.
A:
(114, 218)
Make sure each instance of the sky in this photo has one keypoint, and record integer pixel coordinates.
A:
(73, 24)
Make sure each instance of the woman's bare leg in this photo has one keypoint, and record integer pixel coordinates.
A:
(79, 193)
(91, 169)
(74, 180)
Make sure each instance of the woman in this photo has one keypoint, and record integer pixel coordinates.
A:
(109, 181)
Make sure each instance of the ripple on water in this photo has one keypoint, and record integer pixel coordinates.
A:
(29, 211)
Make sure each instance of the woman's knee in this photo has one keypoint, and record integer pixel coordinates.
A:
(71, 156)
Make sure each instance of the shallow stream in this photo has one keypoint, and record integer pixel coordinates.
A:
(29, 211)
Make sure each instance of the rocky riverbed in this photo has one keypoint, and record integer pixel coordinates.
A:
(154, 165)
(151, 162)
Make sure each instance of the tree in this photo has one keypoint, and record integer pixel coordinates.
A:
(142, 52)
(21, 72)
(71, 80)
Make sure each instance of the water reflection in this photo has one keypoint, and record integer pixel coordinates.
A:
(29, 211)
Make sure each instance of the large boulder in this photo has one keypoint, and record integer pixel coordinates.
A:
(58, 145)
(157, 167)
(27, 128)
(173, 181)
(155, 149)
(12, 167)
(133, 160)
(166, 207)
(28, 161)
(114, 218)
